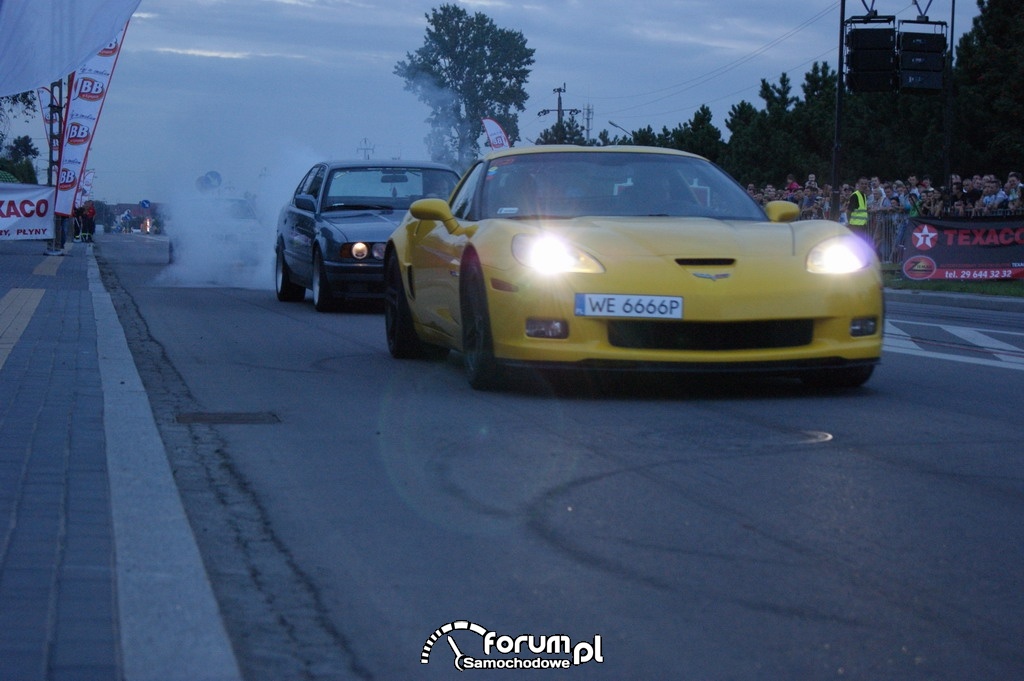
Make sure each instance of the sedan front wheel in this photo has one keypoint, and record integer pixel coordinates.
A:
(323, 298)
(287, 290)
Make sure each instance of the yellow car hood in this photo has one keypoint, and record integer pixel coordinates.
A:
(677, 237)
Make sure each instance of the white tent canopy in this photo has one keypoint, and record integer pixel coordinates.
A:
(42, 41)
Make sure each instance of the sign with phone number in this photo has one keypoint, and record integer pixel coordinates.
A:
(981, 274)
(976, 249)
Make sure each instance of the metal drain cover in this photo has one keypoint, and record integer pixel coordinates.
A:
(228, 417)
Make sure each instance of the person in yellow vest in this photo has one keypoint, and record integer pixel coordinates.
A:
(857, 208)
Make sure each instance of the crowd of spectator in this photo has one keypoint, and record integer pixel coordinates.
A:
(891, 203)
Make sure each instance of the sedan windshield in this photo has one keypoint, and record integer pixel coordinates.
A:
(615, 184)
(385, 188)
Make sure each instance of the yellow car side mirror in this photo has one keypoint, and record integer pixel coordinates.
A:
(782, 211)
(431, 209)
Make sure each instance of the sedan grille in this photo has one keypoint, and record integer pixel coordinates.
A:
(661, 335)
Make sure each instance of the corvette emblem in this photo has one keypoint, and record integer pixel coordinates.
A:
(712, 277)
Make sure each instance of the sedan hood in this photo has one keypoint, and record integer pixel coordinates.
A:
(368, 225)
(677, 237)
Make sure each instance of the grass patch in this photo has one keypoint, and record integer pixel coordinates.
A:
(894, 279)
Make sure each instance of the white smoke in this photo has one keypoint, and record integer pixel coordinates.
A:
(223, 236)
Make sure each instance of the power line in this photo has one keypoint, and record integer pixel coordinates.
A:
(678, 88)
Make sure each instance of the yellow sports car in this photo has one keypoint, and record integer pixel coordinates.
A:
(628, 258)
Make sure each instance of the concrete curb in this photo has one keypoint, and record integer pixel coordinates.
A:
(976, 302)
(170, 624)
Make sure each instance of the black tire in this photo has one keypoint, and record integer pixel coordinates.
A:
(323, 297)
(287, 290)
(482, 369)
(403, 343)
(838, 379)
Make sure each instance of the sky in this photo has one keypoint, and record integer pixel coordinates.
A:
(260, 90)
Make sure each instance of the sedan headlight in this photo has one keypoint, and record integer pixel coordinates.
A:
(550, 255)
(360, 250)
(839, 255)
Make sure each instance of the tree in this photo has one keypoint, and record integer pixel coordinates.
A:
(645, 137)
(23, 105)
(990, 101)
(21, 148)
(569, 131)
(740, 156)
(814, 122)
(698, 136)
(18, 157)
(466, 70)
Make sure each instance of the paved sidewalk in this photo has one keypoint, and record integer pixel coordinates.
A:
(100, 577)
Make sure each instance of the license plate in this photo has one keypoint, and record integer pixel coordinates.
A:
(628, 306)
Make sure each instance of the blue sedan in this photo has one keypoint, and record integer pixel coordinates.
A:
(332, 234)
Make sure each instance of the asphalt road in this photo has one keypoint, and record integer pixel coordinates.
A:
(349, 506)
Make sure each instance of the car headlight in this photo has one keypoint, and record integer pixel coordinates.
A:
(360, 250)
(550, 255)
(839, 255)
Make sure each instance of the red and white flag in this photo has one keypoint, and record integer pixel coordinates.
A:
(496, 136)
(84, 189)
(88, 88)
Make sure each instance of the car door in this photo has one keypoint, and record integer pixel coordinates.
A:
(299, 228)
(436, 256)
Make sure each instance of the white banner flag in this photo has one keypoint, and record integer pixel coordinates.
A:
(495, 134)
(88, 90)
(84, 189)
(25, 211)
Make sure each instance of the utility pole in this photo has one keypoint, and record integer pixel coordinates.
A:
(365, 149)
(560, 129)
(837, 144)
(54, 140)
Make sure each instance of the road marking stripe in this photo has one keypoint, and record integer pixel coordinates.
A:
(1015, 356)
(48, 267)
(900, 342)
(16, 310)
(886, 347)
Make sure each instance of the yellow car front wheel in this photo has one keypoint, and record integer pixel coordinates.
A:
(482, 370)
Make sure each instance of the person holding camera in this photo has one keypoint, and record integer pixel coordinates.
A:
(931, 203)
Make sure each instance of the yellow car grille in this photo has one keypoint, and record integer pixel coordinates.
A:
(756, 335)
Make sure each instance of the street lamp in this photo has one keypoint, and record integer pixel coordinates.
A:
(616, 125)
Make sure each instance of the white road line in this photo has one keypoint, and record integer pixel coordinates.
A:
(988, 343)
(171, 626)
(899, 342)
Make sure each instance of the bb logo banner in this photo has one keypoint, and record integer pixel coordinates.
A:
(88, 86)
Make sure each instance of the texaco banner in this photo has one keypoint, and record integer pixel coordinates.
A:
(25, 211)
(87, 88)
(973, 248)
